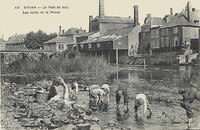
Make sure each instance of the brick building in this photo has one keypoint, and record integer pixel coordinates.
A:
(145, 33)
(172, 36)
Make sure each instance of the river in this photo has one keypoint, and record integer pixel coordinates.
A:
(160, 84)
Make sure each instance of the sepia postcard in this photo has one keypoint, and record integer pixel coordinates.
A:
(100, 64)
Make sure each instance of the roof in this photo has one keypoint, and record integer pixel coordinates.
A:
(178, 20)
(87, 34)
(111, 35)
(61, 39)
(114, 19)
(2, 40)
(74, 31)
(16, 39)
(152, 22)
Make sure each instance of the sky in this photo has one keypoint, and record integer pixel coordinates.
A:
(76, 13)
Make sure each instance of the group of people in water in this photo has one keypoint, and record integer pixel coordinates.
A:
(100, 94)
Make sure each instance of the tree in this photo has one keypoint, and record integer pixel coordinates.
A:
(36, 40)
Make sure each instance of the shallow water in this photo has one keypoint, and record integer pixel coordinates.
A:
(136, 80)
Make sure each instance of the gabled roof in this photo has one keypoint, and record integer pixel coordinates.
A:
(2, 40)
(61, 39)
(111, 35)
(16, 39)
(152, 22)
(114, 19)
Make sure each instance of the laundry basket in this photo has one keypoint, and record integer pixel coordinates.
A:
(42, 96)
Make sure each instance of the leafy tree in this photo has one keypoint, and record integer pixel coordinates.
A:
(36, 40)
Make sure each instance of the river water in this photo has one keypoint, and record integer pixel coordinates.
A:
(157, 83)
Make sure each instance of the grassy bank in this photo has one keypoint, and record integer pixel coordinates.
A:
(59, 64)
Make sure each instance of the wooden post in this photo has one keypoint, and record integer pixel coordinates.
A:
(144, 63)
(109, 56)
(199, 47)
(117, 64)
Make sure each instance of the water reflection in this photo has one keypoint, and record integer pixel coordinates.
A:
(150, 74)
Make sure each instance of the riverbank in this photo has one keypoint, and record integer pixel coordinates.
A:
(162, 94)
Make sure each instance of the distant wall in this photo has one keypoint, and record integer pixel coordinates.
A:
(16, 46)
(189, 33)
(50, 46)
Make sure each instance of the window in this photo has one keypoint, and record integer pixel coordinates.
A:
(157, 43)
(61, 46)
(167, 42)
(89, 46)
(82, 46)
(157, 33)
(152, 44)
(175, 29)
(162, 42)
(175, 41)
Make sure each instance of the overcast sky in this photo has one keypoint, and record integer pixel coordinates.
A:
(77, 15)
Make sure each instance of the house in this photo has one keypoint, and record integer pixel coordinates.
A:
(109, 35)
(16, 42)
(172, 37)
(2, 44)
(145, 34)
(60, 43)
(66, 40)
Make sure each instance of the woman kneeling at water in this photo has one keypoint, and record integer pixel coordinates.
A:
(140, 100)
(96, 93)
(58, 90)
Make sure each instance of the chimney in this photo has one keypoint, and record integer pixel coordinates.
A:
(188, 11)
(101, 8)
(90, 19)
(136, 16)
(63, 31)
(59, 33)
(148, 15)
(171, 11)
(2, 36)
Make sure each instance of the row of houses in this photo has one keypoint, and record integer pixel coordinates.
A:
(109, 35)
